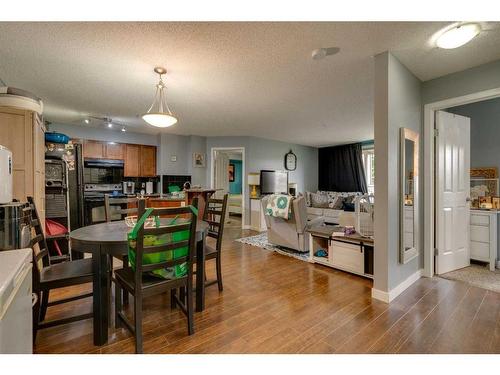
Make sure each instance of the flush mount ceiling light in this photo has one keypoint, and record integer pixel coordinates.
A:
(321, 53)
(159, 114)
(458, 36)
(87, 121)
(124, 130)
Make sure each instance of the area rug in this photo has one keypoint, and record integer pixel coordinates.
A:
(476, 275)
(260, 240)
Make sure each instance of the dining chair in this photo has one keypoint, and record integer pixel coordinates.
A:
(214, 215)
(47, 277)
(140, 282)
(117, 204)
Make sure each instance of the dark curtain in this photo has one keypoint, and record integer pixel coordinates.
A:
(341, 169)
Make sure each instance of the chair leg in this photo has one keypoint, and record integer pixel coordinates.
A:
(138, 324)
(189, 307)
(44, 304)
(219, 272)
(182, 294)
(125, 293)
(36, 317)
(173, 304)
(118, 304)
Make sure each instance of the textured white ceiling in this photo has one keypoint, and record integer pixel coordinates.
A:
(226, 78)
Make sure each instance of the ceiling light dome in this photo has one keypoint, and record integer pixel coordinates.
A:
(458, 36)
(159, 113)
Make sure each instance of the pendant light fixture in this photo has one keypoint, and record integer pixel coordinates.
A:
(159, 114)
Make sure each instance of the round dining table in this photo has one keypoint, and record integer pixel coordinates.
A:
(110, 239)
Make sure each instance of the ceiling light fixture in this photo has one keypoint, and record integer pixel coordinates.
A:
(458, 36)
(321, 53)
(87, 121)
(110, 124)
(159, 114)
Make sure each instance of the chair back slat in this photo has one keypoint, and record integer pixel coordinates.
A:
(188, 223)
(167, 247)
(164, 264)
(215, 216)
(117, 204)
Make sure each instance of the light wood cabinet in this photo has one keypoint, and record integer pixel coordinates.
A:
(131, 162)
(147, 166)
(23, 132)
(114, 151)
(94, 149)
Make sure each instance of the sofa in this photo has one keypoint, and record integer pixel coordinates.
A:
(289, 233)
(332, 207)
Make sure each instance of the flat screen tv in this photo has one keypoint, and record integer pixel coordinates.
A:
(273, 182)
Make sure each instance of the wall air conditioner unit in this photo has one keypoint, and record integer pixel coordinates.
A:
(21, 99)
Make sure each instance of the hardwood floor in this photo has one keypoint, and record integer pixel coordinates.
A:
(275, 304)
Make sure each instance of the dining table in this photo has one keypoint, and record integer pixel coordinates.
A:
(109, 239)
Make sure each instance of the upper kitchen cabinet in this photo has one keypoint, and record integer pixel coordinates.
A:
(94, 149)
(148, 161)
(140, 161)
(131, 161)
(115, 151)
(103, 150)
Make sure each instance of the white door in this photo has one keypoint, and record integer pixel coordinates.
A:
(221, 174)
(452, 192)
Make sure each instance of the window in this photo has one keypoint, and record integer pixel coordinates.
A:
(368, 155)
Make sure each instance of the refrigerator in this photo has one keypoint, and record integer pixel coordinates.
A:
(16, 324)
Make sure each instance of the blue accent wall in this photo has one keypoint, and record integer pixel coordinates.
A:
(236, 186)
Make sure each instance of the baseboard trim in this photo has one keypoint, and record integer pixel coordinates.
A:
(393, 293)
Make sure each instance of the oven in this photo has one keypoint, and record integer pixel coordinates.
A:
(94, 201)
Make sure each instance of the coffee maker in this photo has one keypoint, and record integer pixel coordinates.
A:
(128, 187)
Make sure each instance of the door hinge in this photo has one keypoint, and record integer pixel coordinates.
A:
(436, 133)
(436, 253)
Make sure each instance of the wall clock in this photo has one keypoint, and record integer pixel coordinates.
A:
(290, 161)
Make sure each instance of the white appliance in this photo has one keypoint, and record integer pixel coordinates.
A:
(149, 187)
(5, 175)
(16, 325)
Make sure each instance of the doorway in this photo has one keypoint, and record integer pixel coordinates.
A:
(228, 177)
(460, 234)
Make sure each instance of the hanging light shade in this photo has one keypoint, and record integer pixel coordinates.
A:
(159, 114)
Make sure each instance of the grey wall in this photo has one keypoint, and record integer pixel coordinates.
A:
(398, 103)
(263, 153)
(479, 78)
(485, 126)
(174, 145)
(106, 135)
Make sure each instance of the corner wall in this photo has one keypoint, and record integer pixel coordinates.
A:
(398, 103)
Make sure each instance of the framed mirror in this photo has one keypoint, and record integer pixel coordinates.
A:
(408, 195)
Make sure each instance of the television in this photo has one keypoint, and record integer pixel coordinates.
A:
(273, 182)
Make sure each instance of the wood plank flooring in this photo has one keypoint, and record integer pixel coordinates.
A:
(276, 304)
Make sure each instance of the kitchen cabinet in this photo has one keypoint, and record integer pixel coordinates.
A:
(93, 149)
(23, 133)
(114, 151)
(132, 161)
(147, 165)
(103, 150)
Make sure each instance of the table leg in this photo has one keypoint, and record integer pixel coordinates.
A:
(100, 296)
(200, 275)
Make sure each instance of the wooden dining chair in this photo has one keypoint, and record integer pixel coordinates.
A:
(140, 283)
(47, 277)
(118, 203)
(214, 215)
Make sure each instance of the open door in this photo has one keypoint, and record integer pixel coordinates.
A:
(452, 192)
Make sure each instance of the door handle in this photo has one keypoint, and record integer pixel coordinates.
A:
(467, 199)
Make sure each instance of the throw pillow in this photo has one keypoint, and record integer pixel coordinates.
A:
(319, 200)
(339, 203)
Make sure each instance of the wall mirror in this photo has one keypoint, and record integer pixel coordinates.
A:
(408, 194)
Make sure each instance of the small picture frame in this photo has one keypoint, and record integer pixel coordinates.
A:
(199, 160)
(484, 200)
(230, 171)
(496, 203)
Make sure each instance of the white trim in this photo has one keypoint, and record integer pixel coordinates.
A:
(429, 114)
(393, 293)
(498, 264)
(243, 182)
